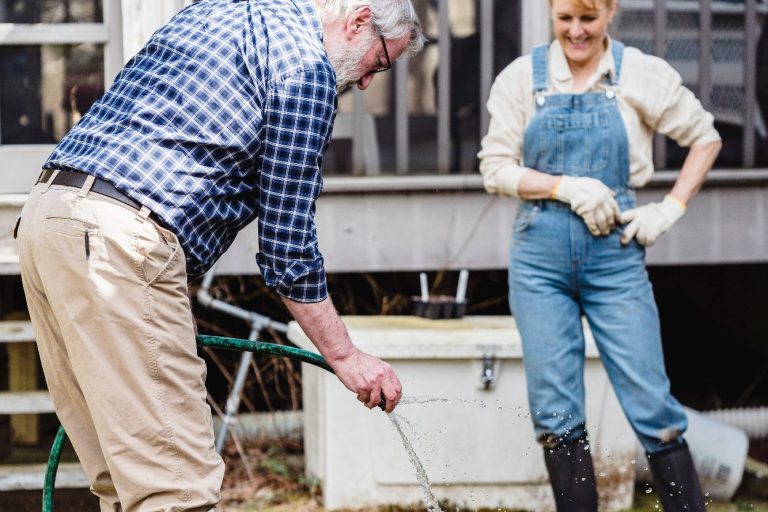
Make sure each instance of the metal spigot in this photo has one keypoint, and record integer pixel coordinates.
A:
(488, 375)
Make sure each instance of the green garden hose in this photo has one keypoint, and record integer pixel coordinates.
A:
(258, 347)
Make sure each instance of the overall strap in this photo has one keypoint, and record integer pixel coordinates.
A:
(539, 58)
(617, 49)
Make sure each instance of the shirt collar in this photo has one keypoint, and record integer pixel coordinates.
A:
(561, 73)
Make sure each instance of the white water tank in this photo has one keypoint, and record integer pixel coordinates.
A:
(478, 449)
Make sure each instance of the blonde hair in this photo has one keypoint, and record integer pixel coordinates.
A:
(591, 4)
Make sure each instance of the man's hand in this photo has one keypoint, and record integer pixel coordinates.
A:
(648, 222)
(363, 374)
(369, 378)
(591, 199)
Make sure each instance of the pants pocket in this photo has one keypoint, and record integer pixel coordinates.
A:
(72, 228)
(524, 218)
(158, 248)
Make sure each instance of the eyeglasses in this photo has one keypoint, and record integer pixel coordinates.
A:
(386, 54)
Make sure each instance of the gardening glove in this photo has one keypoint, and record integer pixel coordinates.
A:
(648, 222)
(591, 199)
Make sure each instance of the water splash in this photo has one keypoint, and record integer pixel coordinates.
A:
(420, 400)
(421, 475)
(415, 400)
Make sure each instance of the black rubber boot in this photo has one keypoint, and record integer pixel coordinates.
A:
(572, 476)
(676, 479)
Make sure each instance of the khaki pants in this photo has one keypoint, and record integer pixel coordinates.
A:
(116, 339)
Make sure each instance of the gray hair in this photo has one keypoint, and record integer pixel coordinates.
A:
(393, 19)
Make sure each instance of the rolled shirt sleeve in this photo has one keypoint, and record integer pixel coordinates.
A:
(298, 121)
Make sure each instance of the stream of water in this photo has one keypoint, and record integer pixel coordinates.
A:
(399, 421)
(421, 475)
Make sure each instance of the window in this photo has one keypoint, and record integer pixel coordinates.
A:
(56, 57)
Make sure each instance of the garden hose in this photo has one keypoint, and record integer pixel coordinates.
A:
(258, 347)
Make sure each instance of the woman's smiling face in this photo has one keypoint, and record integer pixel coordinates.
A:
(581, 26)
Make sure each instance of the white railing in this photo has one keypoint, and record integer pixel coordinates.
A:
(726, 84)
(712, 43)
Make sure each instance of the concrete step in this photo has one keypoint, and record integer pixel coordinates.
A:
(13, 200)
(10, 208)
(30, 477)
(25, 402)
(13, 331)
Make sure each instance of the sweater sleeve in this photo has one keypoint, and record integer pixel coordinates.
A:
(501, 153)
(672, 109)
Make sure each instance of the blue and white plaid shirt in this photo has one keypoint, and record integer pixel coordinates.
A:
(221, 118)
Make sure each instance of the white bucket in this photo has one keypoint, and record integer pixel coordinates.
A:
(719, 452)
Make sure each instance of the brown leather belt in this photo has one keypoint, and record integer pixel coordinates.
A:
(77, 178)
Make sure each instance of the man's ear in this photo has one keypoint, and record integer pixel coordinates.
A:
(357, 21)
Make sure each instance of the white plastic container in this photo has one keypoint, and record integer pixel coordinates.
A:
(719, 452)
(478, 450)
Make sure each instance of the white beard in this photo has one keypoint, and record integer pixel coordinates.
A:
(346, 64)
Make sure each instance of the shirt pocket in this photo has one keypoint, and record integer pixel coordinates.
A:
(574, 144)
(583, 142)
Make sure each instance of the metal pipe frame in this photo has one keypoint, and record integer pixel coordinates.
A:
(750, 81)
(705, 53)
(486, 61)
(444, 94)
(660, 44)
(402, 133)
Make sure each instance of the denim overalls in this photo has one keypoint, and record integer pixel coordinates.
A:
(558, 272)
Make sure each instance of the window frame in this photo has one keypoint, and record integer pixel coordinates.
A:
(22, 161)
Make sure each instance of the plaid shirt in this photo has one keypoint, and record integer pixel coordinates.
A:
(221, 118)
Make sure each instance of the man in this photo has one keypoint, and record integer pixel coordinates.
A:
(221, 118)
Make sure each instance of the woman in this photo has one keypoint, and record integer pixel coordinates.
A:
(571, 136)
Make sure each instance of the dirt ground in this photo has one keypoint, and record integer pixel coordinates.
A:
(82, 501)
(269, 477)
(272, 480)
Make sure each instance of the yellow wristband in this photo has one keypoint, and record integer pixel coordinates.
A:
(553, 192)
(679, 202)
